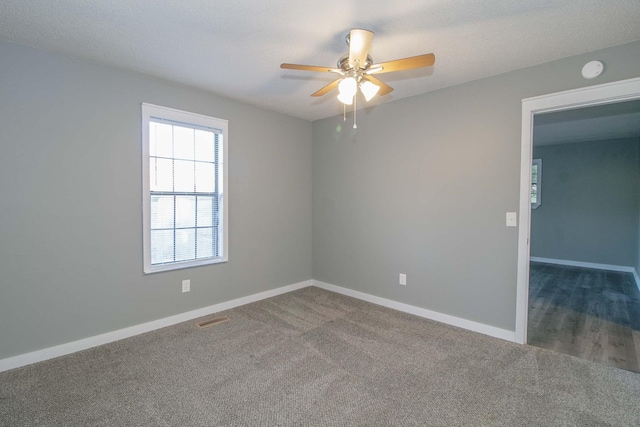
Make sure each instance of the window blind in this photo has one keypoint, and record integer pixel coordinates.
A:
(184, 163)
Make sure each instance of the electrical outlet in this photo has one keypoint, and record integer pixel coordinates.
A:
(403, 279)
(186, 285)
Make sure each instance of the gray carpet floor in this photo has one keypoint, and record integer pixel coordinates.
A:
(316, 358)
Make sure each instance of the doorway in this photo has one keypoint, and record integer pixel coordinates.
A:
(610, 93)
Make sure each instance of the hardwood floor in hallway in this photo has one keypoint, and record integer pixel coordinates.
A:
(587, 313)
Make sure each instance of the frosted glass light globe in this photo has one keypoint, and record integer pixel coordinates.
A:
(348, 86)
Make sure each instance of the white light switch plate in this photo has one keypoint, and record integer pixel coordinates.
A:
(186, 285)
(511, 219)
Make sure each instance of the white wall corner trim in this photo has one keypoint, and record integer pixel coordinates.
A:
(421, 312)
(86, 343)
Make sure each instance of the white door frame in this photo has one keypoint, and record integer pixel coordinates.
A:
(623, 90)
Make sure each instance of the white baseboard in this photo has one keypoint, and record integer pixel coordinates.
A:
(422, 312)
(593, 265)
(596, 266)
(86, 343)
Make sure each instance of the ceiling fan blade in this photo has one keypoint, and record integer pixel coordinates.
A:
(384, 88)
(328, 88)
(359, 44)
(403, 64)
(310, 68)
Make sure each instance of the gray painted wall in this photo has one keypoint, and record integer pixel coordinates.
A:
(590, 202)
(423, 185)
(70, 217)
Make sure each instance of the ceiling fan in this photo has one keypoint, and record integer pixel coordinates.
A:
(356, 69)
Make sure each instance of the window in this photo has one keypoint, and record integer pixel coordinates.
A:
(184, 185)
(536, 183)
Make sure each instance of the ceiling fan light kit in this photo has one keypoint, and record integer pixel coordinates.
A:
(345, 99)
(347, 88)
(369, 90)
(356, 69)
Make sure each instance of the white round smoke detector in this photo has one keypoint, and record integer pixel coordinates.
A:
(592, 69)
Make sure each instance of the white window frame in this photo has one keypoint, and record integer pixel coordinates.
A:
(538, 183)
(149, 111)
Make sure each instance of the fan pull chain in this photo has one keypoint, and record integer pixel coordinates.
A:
(355, 109)
(344, 112)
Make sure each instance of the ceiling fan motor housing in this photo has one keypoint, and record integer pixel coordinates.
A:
(343, 63)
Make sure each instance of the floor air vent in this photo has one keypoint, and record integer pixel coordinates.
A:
(212, 322)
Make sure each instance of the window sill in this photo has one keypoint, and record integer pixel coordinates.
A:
(182, 265)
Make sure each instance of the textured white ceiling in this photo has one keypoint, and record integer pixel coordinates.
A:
(235, 48)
